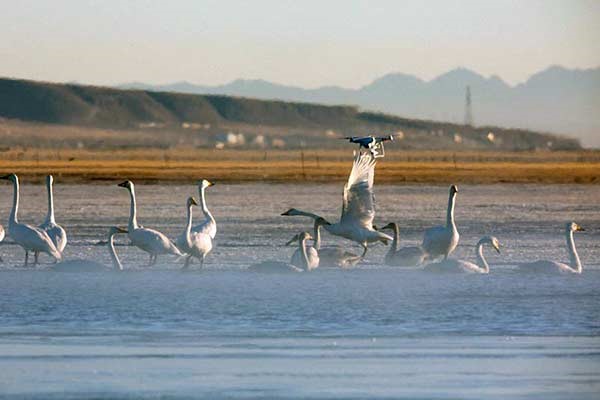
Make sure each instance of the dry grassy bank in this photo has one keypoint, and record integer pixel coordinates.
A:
(284, 166)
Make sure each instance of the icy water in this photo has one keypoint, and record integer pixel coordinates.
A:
(373, 332)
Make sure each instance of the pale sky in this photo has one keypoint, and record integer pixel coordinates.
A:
(302, 43)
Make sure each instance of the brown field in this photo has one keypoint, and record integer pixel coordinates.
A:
(185, 164)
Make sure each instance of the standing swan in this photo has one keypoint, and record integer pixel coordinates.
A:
(197, 244)
(93, 266)
(151, 241)
(55, 231)
(453, 265)
(30, 238)
(1, 239)
(278, 266)
(553, 266)
(209, 226)
(358, 206)
(442, 240)
(411, 256)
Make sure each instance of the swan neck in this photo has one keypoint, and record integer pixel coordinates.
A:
(188, 227)
(302, 244)
(113, 254)
(575, 262)
(481, 261)
(13, 219)
(450, 210)
(207, 213)
(317, 230)
(133, 224)
(50, 216)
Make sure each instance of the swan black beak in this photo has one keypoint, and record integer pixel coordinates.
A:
(292, 240)
(5, 177)
(286, 213)
(193, 201)
(123, 184)
(122, 230)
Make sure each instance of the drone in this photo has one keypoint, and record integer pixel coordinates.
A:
(372, 143)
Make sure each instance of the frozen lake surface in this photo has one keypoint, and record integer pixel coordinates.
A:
(371, 332)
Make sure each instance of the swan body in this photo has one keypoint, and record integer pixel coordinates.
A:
(440, 241)
(306, 257)
(54, 230)
(358, 206)
(278, 266)
(411, 256)
(151, 241)
(2, 234)
(331, 256)
(196, 244)
(575, 266)
(29, 237)
(454, 265)
(208, 226)
(93, 266)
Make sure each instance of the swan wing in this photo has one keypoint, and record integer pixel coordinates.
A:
(208, 227)
(153, 241)
(358, 207)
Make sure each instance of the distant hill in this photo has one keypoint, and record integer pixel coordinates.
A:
(556, 100)
(208, 116)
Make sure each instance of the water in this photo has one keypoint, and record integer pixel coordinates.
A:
(373, 332)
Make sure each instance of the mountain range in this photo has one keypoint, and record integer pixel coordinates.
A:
(557, 99)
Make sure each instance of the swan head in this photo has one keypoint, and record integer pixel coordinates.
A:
(10, 177)
(113, 230)
(126, 185)
(573, 227)
(191, 202)
(204, 184)
(321, 222)
(302, 236)
(291, 211)
(49, 180)
(453, 190)
(391, 225)
(493, 241)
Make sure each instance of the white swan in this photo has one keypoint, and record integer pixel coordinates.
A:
(55, 231)
(93, 266)
(332, 256)
(151, 241)
(358, 207)
(553, 266)
(278, 266)
(209, 225)
(410, 256)
(442, 240)
(30, 238)
(453, 265)
(308, 262)
(197, 244)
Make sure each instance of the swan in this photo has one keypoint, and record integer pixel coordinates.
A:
(197, 244)
(331, 256)
(442, 240)
(308, 262)
(553, 266)
(278, 266)
(151, 241)
(411, 256)
(209, 226)
(55, 231)
(29, 237)
(93, 266)
(358, 206)
(453, 265)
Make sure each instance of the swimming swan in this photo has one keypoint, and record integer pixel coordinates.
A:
(93, 266)
(410, 256)
(442, 240)
(358, 206)
(29, 237)
(278, 266)
(151, 241)
(453, 265)
(196, 244)
(208, 226)
(553, 266)
(309, 261)
(55, 231)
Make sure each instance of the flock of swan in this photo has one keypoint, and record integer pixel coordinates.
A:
(355, 224)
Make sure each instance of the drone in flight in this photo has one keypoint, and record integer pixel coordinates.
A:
(372, 143)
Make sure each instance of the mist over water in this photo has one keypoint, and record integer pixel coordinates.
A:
(372, 332)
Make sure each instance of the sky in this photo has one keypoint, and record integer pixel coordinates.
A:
(303, 43)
